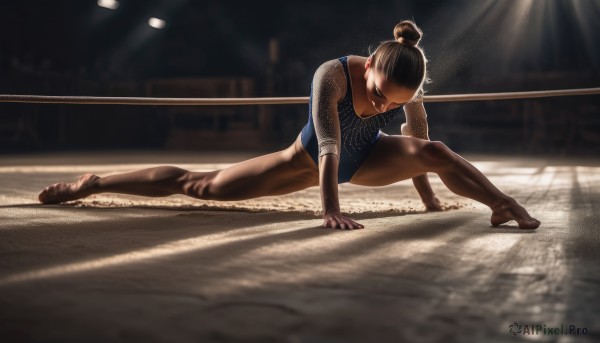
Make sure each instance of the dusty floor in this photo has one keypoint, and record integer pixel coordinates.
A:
(122, 268)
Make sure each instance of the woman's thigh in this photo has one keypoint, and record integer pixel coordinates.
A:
(277, 173)
(393, 158)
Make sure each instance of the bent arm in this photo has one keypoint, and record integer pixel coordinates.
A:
(416, 126)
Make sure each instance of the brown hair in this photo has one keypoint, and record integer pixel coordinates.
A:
(402, 60)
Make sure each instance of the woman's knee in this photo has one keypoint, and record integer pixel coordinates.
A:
(437, 155)
(198, 185)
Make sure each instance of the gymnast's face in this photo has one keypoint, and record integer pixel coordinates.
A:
(384, 94)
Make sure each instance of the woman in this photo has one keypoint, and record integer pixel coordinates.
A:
(352, 98)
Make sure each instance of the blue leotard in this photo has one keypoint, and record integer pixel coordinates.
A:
(358, 135)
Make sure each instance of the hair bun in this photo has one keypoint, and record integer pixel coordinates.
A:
(407, 32)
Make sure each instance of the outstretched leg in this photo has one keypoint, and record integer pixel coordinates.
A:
(277, 173)
(395, 158)
(154, 182)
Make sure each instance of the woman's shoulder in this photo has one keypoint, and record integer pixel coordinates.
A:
(330, 66)
(337, 63)
(331, 73)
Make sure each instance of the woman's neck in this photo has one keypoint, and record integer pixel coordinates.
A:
(356, 67)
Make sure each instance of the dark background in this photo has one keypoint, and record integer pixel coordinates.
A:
(221, 49)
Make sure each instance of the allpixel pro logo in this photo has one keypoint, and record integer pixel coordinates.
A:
(542, 329)
(515, 328)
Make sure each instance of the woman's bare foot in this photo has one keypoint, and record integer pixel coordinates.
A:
(510, 210)
(65, 191)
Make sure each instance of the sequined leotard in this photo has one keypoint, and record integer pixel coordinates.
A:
(358, 135)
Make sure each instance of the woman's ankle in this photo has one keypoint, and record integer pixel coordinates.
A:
(502, 202)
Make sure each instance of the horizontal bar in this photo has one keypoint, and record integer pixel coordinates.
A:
(144, 101)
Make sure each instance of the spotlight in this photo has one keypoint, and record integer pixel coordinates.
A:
(156, 23)
(110, 4)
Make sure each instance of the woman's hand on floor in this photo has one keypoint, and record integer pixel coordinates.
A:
(432, 204)
(336, 220)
